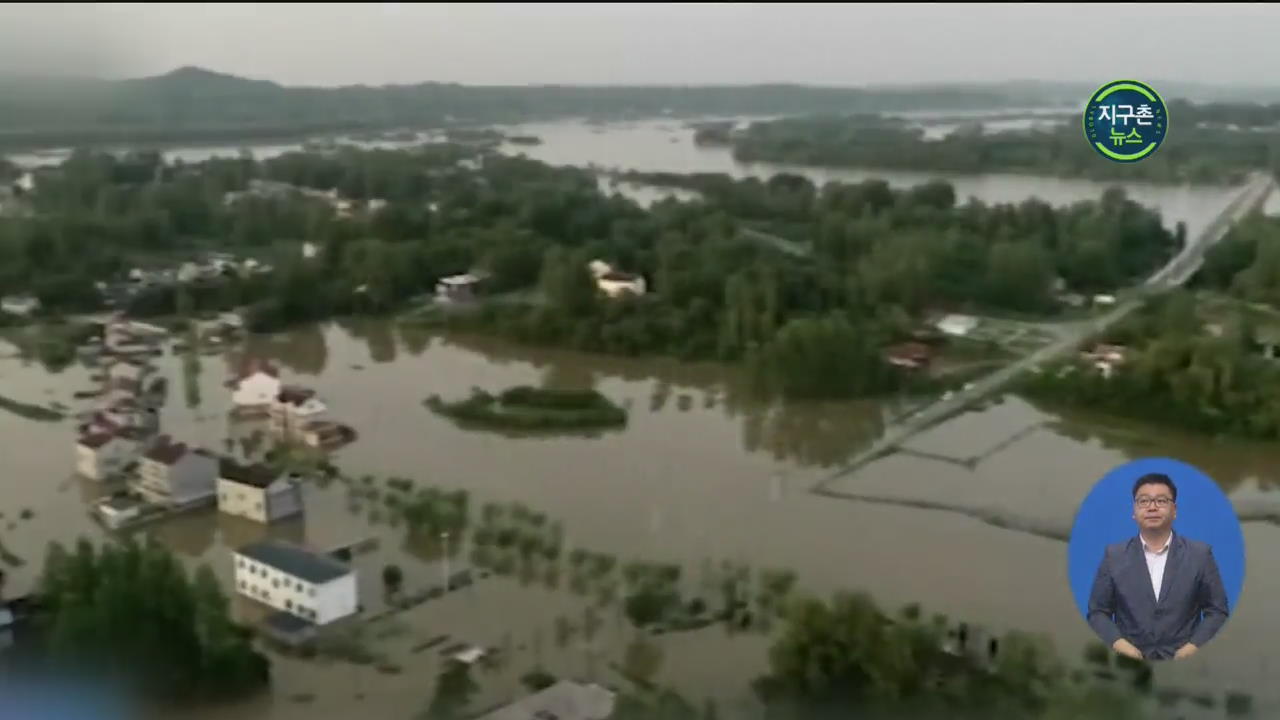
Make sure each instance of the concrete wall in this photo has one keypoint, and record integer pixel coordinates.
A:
(243, 500)
(284, 499)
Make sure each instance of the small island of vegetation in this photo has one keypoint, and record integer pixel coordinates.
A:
(1211, 148)
(530, 408)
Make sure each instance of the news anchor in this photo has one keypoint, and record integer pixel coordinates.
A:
(1158, 595)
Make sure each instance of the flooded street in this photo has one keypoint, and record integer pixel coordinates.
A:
(964, 521)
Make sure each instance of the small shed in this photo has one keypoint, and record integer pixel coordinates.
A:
(458, 288)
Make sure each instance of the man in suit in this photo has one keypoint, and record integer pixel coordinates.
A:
(1158, 595)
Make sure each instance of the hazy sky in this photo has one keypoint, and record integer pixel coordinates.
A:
(634, 44)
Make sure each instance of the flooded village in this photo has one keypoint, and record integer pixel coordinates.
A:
(374, 545)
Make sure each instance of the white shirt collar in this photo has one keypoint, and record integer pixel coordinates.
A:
(1167, 543)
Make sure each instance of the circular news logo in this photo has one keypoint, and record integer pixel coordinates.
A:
(1125, 121)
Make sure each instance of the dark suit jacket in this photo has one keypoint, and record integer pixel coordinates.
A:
(1192, 606)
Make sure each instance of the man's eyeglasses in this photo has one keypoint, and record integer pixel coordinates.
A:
(1160, 502)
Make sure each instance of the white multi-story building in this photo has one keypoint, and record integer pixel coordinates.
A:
(299, 581)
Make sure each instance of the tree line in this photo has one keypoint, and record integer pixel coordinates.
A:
(1202, 154)
(846, 655)
(1177, 371)
(866, 262)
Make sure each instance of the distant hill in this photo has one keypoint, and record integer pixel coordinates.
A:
(193, 104)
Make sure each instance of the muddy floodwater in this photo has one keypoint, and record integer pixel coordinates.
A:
(967, 520)
(702, 473)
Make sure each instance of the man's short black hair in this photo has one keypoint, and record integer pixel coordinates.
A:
(1156, 479)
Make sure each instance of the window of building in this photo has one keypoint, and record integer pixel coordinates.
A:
(311, 592)
(275, 584)
(288, 604)
(243, 584)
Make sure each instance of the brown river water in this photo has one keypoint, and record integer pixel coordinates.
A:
(702, 473)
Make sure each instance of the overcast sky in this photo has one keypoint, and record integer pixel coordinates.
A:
(635, 44)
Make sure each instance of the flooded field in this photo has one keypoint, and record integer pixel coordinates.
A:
(702, 474)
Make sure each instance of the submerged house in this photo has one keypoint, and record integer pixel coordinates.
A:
(174, 475)
(295, 408)
(257, 492)
(302, 582)
(100, 455)
(565, 700)
(256, 386)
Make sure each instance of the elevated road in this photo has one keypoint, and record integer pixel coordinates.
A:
(1173, 274)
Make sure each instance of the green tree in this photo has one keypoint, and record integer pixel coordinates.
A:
(566, 282)
(453, 692)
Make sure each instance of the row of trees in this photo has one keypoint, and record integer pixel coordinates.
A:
(1246, 263)
(1176, 372)
(846, 655)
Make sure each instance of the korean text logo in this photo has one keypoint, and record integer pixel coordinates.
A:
(1125, 121)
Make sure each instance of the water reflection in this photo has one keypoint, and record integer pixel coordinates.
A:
(1235, 464)
(415, 339)
(713, 471)
(378, 334)
(303, 350)
(568, 376)
(812, 434)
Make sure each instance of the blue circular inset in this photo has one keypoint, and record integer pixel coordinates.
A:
(1106, 517)
(1125, 121)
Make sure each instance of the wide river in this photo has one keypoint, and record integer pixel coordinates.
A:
(701, 474)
